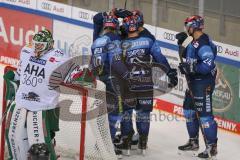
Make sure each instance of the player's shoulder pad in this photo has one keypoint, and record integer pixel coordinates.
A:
(101, 41)
(203, 47)
(205, 52)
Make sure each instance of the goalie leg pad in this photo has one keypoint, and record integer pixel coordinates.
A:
(17, 134)
(38, 128)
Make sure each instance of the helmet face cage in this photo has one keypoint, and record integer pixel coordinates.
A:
(196, 22)
(130, 24)
(110, 21)
(42, 42)
(139, 16)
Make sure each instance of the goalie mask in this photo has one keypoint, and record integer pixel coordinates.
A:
(42, 42)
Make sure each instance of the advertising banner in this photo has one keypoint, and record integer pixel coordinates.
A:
(54, 8)
(82, 14)
(23, 3)
(16, 31)
(72, 39)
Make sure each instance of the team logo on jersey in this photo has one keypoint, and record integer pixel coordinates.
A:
(53, 59)
(58, 53)
(195, 44)
(126, 45)
(111, 46)
(37, 60)
(136, 52)
(31, 96)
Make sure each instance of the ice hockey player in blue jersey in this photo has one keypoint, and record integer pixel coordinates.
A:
(106, 50)
(200, 55)
(138, 55)
(98, 20)
(143, 32)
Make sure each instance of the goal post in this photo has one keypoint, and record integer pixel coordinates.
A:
(83, 121)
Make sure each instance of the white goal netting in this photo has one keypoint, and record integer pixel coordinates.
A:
(77, 136)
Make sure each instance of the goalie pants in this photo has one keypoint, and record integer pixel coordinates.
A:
(25, 128)
(202, 94)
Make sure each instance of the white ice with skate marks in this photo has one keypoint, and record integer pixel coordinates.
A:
(165, 137)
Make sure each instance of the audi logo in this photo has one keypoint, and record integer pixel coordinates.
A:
(46, 6)
(83, 15)
(169, 36)
(219, 49)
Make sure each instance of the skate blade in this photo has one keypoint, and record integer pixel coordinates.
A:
(210, 158)
(126, 152)
(189, 153)
(142, 152)
(119, 156)
(134, 147)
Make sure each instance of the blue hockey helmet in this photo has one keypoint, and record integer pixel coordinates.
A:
(139, 16)
(110, 21)
(130, 24)
(195, 21)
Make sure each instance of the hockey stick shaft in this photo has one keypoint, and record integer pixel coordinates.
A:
(5, 112)
(125, 4)
(181, 50)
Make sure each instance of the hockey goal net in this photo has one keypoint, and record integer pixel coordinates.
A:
(84, 129)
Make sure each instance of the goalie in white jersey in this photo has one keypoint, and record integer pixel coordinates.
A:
(28, 120)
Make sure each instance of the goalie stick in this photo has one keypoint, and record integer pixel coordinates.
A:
(182, 48)
(9, 103)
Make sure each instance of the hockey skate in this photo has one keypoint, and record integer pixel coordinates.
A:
(209, 153)
(118, 153)
(125, 145)
(142, 145)
(192, 145)
(134, 143)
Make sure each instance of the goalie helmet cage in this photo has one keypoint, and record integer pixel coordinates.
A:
(84, 129)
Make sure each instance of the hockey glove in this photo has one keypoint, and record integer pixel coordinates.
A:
(11, 85)
(122, 13)
(173, 79)
(9, 76)
(181, 37)
(186, 68)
